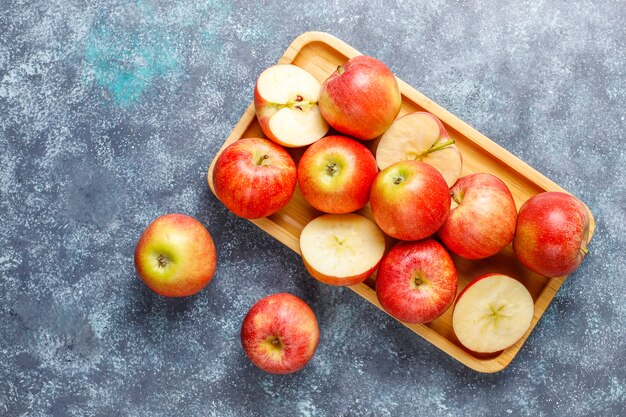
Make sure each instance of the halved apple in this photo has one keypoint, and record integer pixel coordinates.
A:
(420, 136)
(285, 101)
(492, 313)
(341, 249)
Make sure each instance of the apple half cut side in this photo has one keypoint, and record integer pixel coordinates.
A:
(420, 136)
(341, 249)
(285, 101)
(492, 313)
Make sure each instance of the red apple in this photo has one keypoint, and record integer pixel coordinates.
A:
(416, 281)
(361, 98)
(484, 221)
(492, 313)
(410, 200)
(335, 174)
(552, 234)
(280, 334)
(341, 249)
(254, 177)
(285, 101)
(175, 256)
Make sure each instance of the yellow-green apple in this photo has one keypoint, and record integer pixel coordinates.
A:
(492, 313)
(484, 220)
(361, 98)
(552, 233)
(420, 136)
(254, 177)
(280, 333)
(341, 249)
(285, 101)
(335, 174)
(175, 256)
(416, 281)
(410, 200)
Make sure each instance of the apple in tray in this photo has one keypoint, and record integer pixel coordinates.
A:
(492, 313)
(335, 174)
(280, 333)
(410, 200)
(285, 102)
(416, 281)
(175, 256)
(422, 137)
(341, 249)
(254, 177)
(484, 220)
(361, 98)
(552, 234)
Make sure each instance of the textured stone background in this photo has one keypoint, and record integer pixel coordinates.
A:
(110, 113)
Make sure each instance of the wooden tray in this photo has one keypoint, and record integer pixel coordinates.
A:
(320, 54)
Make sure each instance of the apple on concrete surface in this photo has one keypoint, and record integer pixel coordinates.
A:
(285, 101)
(552, 234)
(280, 333)
(410, 200)
(335, 174)
(254, 177)
(492, 313)
(361, 98)
(484, 221)
(175, 256)
(416, 281)
(420, 136)
(341, 249)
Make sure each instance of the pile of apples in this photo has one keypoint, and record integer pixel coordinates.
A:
(417, 196)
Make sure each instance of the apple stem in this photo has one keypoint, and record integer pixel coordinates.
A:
(585, 251)
(262, 159)
(457, 197)
(441, 145)
(340, 70)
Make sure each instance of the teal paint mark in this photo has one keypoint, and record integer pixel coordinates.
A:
(127, 62)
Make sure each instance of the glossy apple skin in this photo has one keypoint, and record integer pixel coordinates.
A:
(416, 281)
(552, 234)
(188, 256)
(335, 174)
(363, 100)
(254, 177)
(484, 222)
(410, 200)
(288, 320)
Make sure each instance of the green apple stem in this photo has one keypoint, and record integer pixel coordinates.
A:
(340, 70)
(262, 159)
(441, 145)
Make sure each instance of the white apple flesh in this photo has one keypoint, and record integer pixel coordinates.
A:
(285, 101)
(422, 137)
(341, 249)
(492, 313)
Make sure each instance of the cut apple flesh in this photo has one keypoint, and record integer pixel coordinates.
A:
(289, 96)
(341, 249)
(420, 136)
(492, 313)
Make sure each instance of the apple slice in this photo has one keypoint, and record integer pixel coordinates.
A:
(341, 249)
(285, 101)
(492, 313)
(420, 136)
